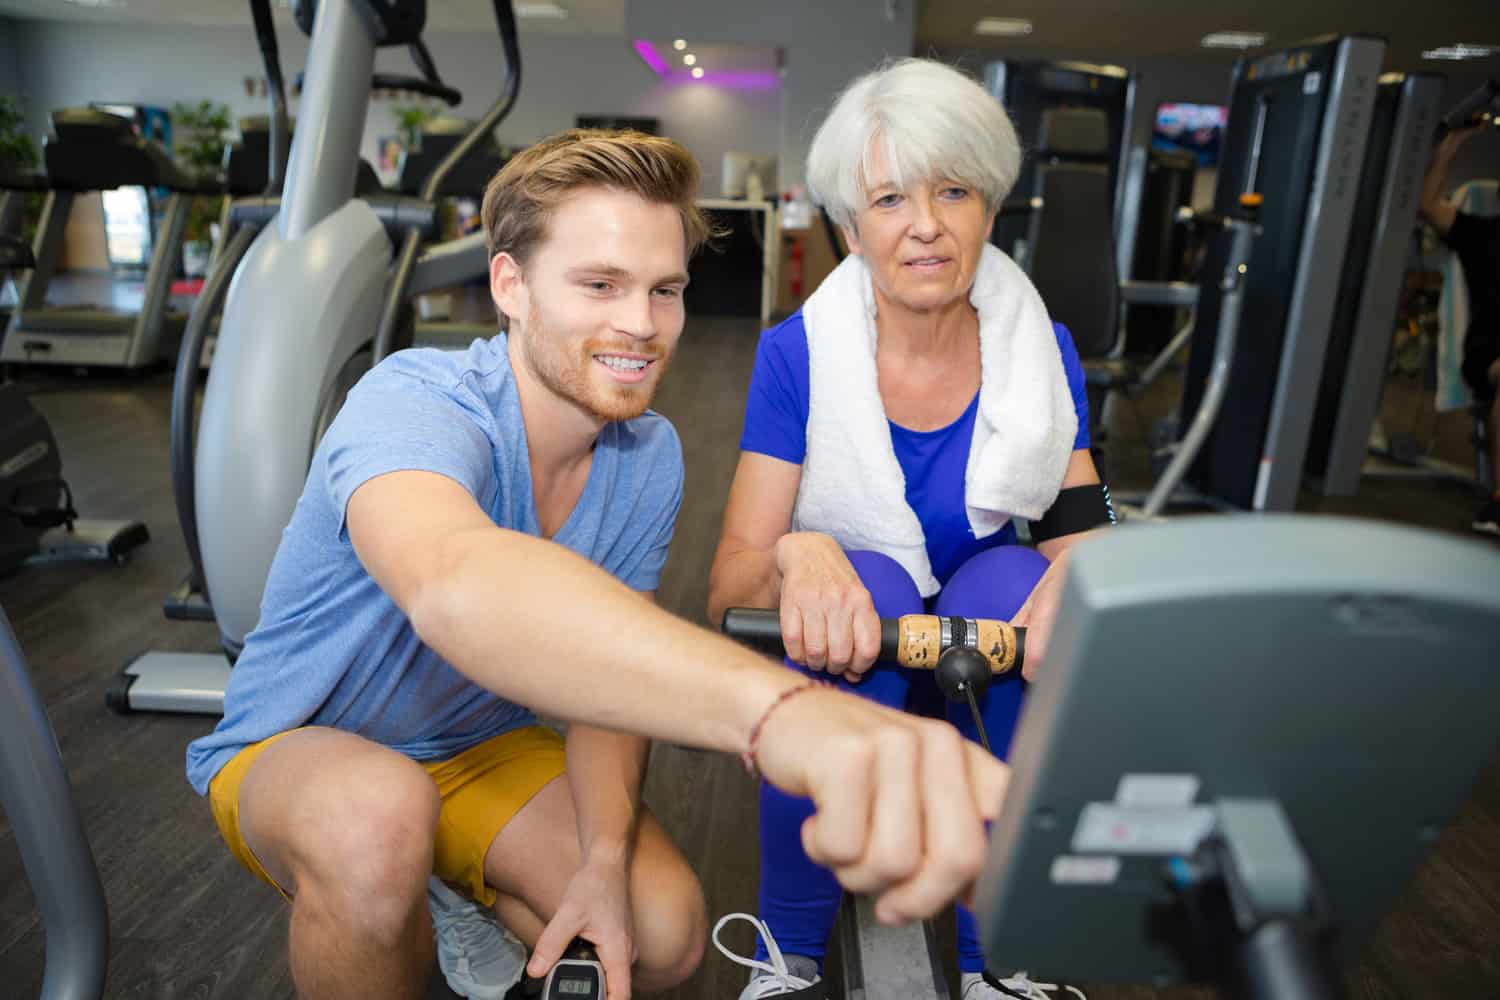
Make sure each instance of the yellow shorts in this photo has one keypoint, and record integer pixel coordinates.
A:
(481, 789)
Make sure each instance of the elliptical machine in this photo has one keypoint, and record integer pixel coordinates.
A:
(321, 286)
(38, 801)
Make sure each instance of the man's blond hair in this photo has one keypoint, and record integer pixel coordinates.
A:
(520, 200)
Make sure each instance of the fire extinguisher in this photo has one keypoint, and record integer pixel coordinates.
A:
(796, 269)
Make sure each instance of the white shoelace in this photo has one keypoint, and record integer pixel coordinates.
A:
(1021, 984)
(779, 974)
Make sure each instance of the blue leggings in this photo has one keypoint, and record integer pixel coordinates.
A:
(799, 900)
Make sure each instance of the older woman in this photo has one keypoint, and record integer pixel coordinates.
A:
(896, 428)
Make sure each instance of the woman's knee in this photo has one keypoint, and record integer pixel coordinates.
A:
(890, 585)
(992, 584)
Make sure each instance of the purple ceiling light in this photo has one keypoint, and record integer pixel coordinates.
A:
(650, 56)
(729, 79)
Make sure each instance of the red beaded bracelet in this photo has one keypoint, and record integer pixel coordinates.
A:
(748, 757)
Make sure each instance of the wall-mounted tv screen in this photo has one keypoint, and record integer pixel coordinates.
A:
(1193, 128)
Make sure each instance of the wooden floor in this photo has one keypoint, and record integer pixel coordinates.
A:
(186, 921)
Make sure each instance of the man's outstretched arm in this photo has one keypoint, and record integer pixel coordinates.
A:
(900, 800)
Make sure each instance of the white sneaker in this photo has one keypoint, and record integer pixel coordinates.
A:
(776, 980)
(479, 957)
(975, 987)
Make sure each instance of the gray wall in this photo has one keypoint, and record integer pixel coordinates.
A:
(827, 43)
(10, 69)
(74, 62)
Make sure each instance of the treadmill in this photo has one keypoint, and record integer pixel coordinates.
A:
(93, 150)
(15, 182)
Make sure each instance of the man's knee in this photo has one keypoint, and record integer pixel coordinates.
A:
(671, 921)
(363, 843)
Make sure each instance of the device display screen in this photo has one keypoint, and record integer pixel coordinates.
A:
(571, 987)
(1195, 128)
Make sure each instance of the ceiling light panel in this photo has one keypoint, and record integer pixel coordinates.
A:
(1004, 26)
(1234, 40)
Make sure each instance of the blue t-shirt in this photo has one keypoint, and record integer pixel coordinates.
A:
(331, 649)
(933, 462)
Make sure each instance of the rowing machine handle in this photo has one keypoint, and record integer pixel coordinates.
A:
(911, 640)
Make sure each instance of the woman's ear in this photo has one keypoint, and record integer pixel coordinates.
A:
(851, 239)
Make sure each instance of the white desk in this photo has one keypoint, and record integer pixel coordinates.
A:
(770, 246)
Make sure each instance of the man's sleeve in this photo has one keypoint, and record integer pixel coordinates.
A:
(393, 422)
(656, 508)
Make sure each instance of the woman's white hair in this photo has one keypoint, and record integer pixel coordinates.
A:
(931, 122)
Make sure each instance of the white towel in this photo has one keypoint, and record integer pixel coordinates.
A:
(1480, 198)
(852, 485)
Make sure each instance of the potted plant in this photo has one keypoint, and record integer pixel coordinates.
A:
(200, 133)
(19, 151)
(409, 121)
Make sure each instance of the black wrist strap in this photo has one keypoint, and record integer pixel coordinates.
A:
(1076, 509)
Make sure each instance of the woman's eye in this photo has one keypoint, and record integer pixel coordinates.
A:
(887, 201)
(955, 193)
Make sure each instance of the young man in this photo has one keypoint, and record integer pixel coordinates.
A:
(481, 532)
(1476, 240)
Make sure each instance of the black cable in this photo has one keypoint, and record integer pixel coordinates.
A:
(978, 719)
(280, 143)
(185, 391)
(423, 58)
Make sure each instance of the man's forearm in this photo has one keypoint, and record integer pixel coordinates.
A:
(545, 628)
(605, 771)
